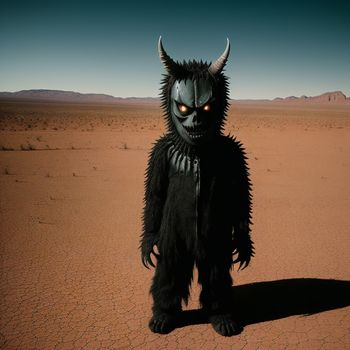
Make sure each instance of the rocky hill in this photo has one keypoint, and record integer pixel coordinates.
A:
(334, 97)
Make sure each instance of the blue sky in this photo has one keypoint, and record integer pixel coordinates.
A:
(278, 48)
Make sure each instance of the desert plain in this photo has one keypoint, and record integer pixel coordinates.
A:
(71, 182)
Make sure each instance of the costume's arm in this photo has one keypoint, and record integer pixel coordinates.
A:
(156, 185)
(242, 245)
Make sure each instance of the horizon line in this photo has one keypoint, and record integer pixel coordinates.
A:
(158, 97)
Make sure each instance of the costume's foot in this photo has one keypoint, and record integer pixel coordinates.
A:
(225, 325)
(162, 323)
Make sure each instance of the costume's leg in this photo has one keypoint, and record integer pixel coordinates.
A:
(170, 286)
(216, 295)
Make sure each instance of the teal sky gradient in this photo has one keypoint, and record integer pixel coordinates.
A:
(278, 48)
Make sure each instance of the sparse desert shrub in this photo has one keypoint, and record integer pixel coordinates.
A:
(28, 147)
(5, 148)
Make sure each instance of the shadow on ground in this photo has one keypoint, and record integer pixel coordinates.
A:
(267, 301)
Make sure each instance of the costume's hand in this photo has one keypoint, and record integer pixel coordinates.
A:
(242, 246)
(147, 249)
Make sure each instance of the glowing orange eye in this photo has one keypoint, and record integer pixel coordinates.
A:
(183, 108)
(206, 108)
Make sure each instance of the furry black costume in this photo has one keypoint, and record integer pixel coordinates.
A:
(197, 196)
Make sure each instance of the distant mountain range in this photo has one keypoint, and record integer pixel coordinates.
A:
(336, 97)
(70, 96)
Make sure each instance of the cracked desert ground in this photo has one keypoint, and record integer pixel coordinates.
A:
(71, 181)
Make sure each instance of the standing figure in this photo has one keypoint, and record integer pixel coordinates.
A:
(197, 197)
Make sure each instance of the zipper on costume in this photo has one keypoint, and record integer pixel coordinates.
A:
(197, 181)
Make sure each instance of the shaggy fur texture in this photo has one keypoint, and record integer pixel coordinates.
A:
(197, 212)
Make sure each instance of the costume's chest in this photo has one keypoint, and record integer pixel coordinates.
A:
(199, 188)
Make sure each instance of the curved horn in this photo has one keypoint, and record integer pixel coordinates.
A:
(219, 64)
(169, 64)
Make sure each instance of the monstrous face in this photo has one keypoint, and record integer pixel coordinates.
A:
(193, 109)
(194, 97)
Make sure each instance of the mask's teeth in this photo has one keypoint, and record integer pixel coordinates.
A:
(194, 129)
(195, 132)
